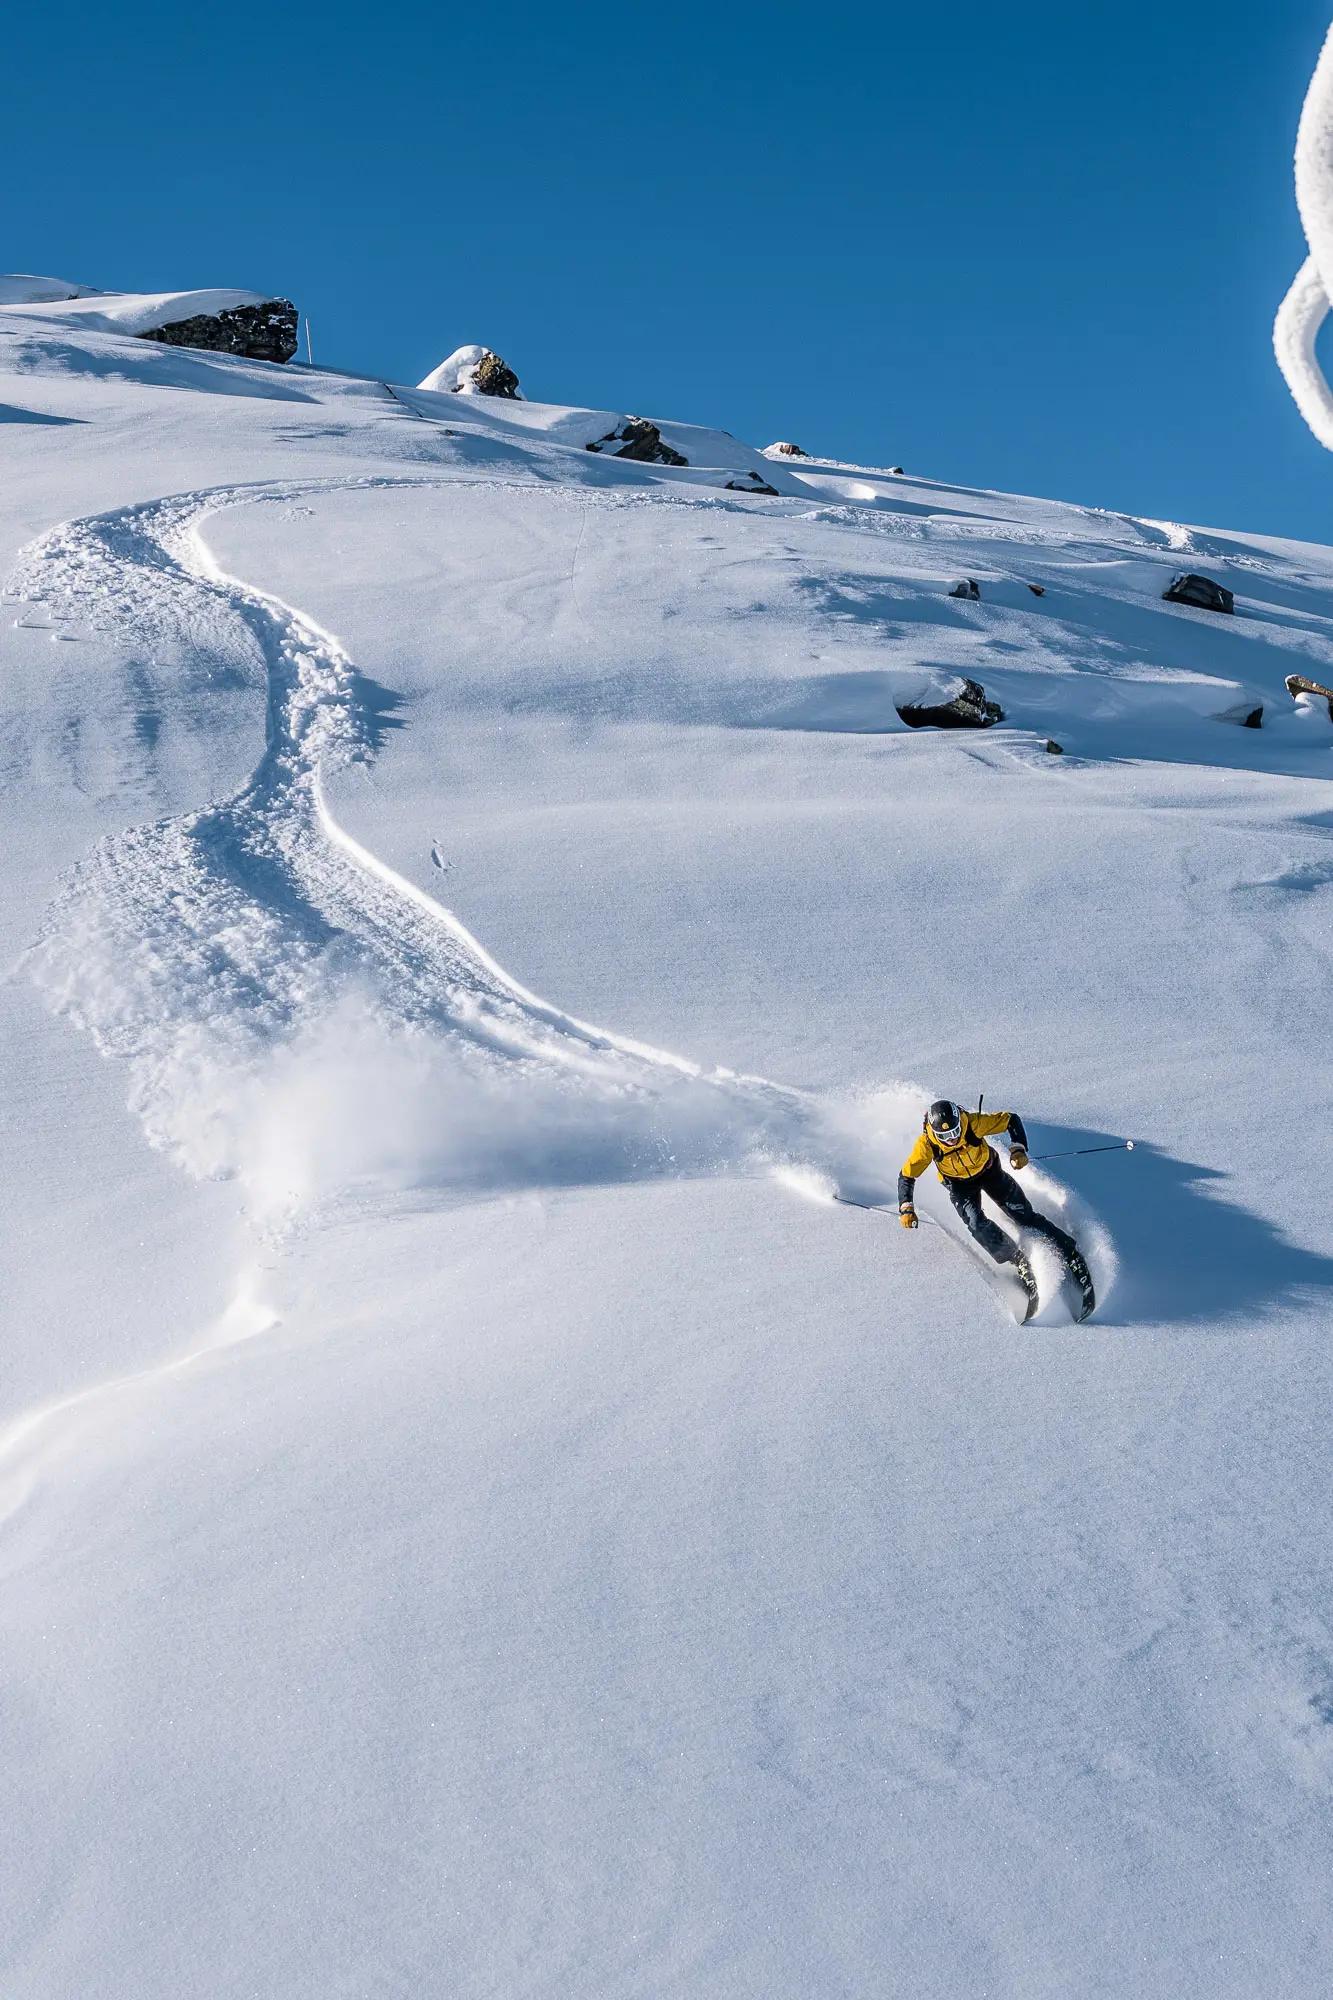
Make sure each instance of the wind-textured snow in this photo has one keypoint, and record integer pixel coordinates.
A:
(476, 1515)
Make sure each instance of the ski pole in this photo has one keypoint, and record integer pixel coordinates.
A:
(1076, 1152)
(879, 1208)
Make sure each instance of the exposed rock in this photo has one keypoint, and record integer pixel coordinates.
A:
(1247, 713)
(1037, 589)
(968, 588)
(494, 377)
(260, 333)
(473, 371)
(641, 441)
(958, 704)
(1053, 748)
(1298, 686)
(1200, 591)
(784, 450)
(897, 471)
(750, 482)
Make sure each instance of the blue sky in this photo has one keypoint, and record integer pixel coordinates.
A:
(1036, 247)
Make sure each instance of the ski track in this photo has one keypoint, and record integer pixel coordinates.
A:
(195, 946)
(209, 948)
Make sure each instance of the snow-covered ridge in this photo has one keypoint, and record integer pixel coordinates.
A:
(17, 288)
(118, 312)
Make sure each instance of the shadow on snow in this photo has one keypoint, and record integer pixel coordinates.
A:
(10, 413)
(1185, 1252)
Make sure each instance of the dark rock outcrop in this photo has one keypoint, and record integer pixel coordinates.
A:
(1037, 589)
(258, 333)
(494, 377)
(750, 482)
(1054, 749)
(968, 588)
(1249, 714)
(1200, 591)
(472, 371)
(785, 450)
(641, 441)
(960, 704)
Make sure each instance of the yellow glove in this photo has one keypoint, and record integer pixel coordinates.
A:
(907, 1217)
(1017, 1158)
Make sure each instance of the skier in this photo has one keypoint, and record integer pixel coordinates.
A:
(955, 1142)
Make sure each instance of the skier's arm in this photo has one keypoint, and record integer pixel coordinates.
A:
(987, 1124)
(916, 1163)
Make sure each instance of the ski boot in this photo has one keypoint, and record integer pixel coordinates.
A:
(1027, 1279)
(1077, 1269)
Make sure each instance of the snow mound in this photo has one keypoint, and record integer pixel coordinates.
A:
(458, 373)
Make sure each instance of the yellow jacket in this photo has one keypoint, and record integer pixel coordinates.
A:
(963, 1162)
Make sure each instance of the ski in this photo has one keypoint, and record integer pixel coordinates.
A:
(996, 1275)
(1073, 1265)
(1075, 1285)
(1001, 1277)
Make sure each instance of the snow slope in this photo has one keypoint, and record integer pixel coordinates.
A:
(469, 1523)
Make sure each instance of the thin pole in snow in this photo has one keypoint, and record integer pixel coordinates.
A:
(309, 357)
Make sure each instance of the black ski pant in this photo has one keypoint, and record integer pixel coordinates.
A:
(1005, 1192)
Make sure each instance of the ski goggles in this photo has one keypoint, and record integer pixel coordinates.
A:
(947, 1135)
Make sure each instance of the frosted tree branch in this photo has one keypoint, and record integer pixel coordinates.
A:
(1306, 305)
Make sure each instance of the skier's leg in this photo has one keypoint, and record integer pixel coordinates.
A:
(1005, 1192)
(966, 1198)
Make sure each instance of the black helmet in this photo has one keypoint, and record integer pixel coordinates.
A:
(944, 1121)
